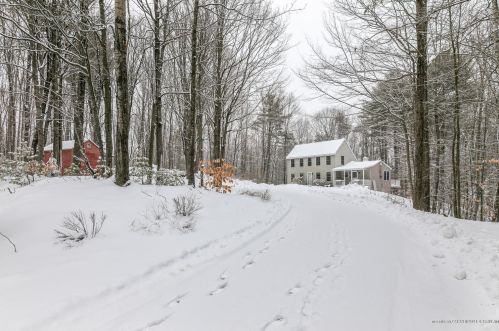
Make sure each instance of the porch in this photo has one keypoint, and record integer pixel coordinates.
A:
(345, 177)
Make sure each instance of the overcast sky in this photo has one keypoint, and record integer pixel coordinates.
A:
(304, 25)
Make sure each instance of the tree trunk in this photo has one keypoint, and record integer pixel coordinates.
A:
(106, 86)
(122, 109)
(218, 106)
(190, 123)
(56, 99)
(421, 196)
(11, 110)
(27, 100)
(456, 137)
(156, 135)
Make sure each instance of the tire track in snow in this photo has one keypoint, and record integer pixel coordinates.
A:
(206, 253)
(169, 305)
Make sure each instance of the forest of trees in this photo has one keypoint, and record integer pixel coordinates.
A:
(413, 83)
(423, 78)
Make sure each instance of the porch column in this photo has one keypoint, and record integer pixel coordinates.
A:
(344, 178)
(363, 176)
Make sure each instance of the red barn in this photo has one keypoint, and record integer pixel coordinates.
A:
(91, 150)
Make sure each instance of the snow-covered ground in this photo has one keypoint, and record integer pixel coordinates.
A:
(309, 259)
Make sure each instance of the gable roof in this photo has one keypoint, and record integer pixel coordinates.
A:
(66, 144)
(360, 165)
(321, 148)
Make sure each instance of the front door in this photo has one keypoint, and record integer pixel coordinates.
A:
(310, 178)
(355, 176)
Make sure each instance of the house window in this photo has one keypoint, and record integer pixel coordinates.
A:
(328, 176)
(292, 177)
(301, 175)
(318, 160)
(309, 162)
(328, 160)
(301, 162)
(386, 175)
(354, 174)
(318, 175)
(292, 163)
(342, 160)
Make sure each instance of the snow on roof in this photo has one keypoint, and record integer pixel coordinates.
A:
(66, 144)
(321, 148)
(357, 165)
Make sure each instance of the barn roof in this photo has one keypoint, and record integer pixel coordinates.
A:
(359, 165)
(66, 144)
(321, 148)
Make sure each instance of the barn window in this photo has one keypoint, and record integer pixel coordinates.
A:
(328, 160)
(318, 160)
(301, 162)
(292, 163)
(89, 145)
(328, 176)
(386, 175)
(309, 162)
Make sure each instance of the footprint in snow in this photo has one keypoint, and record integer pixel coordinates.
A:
(175, 301)
(248, 264)
(324, 268)
(263, 250)
(278, 320)
(219, 289)
(295, 289)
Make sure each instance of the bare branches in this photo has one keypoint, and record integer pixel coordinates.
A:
(13, 245)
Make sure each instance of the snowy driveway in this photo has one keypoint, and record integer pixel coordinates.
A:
(323, 261)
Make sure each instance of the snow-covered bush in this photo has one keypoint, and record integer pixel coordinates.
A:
(170, 177)
(77, 227)
(158, 214)
(186, 204)
(184, 224)
(35, 168)
(140, 171)
(264, 195)
(297, 180)
(17, 168)
(153, 218)
(103, 171)
(74, 170)
(319, 182)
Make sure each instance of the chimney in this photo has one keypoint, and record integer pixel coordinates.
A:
(365, 158)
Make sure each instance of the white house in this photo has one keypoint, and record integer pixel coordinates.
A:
(307, 163)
